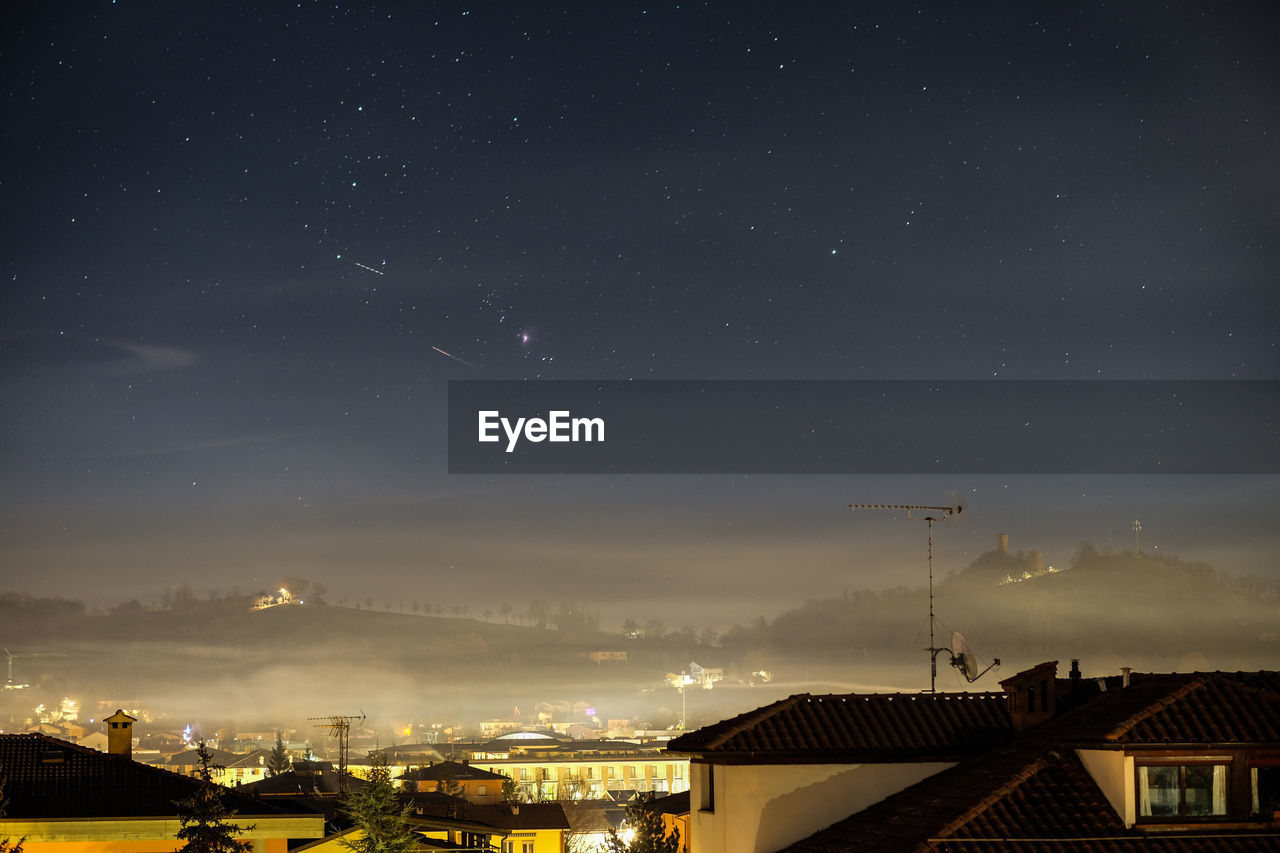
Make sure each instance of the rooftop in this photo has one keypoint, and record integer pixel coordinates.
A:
(888, 727)
(1035, 795)
(51, 778)
(451, 771)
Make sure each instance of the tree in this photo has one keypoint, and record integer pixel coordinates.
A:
(450, 787)
(505, 610)
(643, 831)
(205, 819)
(5, 846)
(511, 791)
(376, 811)
(278, 762)
(539, 612)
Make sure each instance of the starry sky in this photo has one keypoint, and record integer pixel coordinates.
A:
(248, 244)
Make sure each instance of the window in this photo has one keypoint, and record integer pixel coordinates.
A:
(1182, 790)
(1265, 781)
(518, 845)
(482, 790)
(705, 775)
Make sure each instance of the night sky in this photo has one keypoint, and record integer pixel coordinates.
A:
(238, 237)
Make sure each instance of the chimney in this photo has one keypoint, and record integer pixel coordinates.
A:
(1124, 675)
(120, 733)
(1002, 543)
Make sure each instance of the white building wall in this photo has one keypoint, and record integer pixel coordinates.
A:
(1107, 767)
(763, 808)
(1112, 770)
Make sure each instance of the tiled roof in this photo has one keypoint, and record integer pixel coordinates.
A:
(593, 815)
(895, 727)
(500, 816)
(670, 804)
(1015, 801)
(295, 782)
(190, 758)
(50, 778)
(451, 770)
(1203, 708)
(1034, 795)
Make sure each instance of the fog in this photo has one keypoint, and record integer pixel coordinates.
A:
(220, 665)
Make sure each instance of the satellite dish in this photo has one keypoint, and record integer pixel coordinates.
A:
(962, 656)
(965, 659)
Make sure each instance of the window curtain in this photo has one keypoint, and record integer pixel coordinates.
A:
(1144, 793)
(1219, 789)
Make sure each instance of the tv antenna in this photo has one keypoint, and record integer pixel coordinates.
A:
(930, 514)
(340, 727)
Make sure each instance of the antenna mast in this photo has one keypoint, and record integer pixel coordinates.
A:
(340, 727)
(934, 513)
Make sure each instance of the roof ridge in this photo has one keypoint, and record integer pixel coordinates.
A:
(1153, 708)
(752, 718)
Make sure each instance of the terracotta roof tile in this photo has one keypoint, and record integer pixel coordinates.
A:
(51, 778)
(1011, 801)
(1204, 708)
(898, 726)
(451, 770)
(499, 816)
(1034, 795)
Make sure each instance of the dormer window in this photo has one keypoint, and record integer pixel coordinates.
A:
(1196, 790)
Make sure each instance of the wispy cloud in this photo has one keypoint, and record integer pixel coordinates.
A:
(142, 358)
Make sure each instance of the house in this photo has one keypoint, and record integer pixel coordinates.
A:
(94, 740)
(508, 827)
(247, 768)
(66, 798)
(705, 675)
(304, 778)
(591, 822)
(770, 777)
(1130, 762)
(460, 779)
(187, 763)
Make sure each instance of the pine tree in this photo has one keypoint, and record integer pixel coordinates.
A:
(648, 834)
(375, 809)
(5, 846)
(278, 762)
(205, 825)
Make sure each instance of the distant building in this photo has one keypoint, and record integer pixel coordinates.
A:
(610, 657)
(546, 766)
(459, 779)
